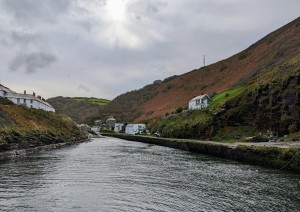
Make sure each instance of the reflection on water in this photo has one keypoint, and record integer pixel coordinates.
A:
(116, 175)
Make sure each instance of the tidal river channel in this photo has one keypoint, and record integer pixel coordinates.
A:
(110, 174)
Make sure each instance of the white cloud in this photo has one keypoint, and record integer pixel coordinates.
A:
(112, 46)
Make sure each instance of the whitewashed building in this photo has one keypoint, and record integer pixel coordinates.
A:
(95, 129)
(118, 127)
(133, 129)
(110, 123)
(199, 102)
(28, 100)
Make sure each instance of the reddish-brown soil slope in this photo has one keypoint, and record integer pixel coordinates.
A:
(272, 56)
(266, 54)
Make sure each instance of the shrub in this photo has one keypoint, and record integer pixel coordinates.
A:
(223, 67)
(179, 110)
(242, 56)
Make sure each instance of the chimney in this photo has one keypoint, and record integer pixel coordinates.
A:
(24, 91)
(39, 97)
(33, 94)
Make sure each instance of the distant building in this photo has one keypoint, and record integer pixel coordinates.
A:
(28, 100)
(95, 128)
(199, 102)
(84, 127)
(133, 129)
(119, 127)
(98, 123)
(110, 123)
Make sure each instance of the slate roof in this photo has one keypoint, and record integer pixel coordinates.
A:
(200, 97)
(6, 89)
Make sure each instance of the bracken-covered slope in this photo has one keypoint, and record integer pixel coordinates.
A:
(276, 49)
(276, 54)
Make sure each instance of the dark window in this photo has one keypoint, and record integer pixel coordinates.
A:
(18, 100)
(31, 101)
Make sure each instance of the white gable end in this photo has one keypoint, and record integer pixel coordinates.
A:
(199, 102)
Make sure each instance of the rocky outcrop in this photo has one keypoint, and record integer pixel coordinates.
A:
(31, 150)
(273, 106)
(34, 139)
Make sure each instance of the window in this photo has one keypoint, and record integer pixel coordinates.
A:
(31, 101)
(18, 100)
(197, 101)
(25, 101)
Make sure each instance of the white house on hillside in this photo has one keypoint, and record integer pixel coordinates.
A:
(199, 102)
(133, 129)
(27, 100)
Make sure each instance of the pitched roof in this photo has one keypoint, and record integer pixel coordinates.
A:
(27, 96)
(199, 97)
(6, 89)
(13, 94)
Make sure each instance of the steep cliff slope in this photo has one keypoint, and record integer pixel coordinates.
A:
(274, 56)
(280, 48)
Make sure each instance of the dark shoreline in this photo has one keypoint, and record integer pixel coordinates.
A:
(273, 157)
(23, 152)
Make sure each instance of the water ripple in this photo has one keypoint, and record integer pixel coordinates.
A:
(115, 175)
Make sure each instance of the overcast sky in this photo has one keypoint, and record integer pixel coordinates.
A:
(104, 48)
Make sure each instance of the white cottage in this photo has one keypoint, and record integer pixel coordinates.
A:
(133, 129)
(27, 100)
(118, 127)
(199, 102)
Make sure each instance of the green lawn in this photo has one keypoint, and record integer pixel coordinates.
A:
(93, 100)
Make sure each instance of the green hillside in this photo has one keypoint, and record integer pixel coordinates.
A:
(80, 109)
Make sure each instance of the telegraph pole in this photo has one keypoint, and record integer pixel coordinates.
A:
(203, 60)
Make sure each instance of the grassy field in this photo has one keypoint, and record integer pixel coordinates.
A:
(221, 98)
(93, 100)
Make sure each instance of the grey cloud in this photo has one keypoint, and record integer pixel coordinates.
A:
(156, 6)
(84, 88)
(87, 24)
(35, 11)
(73, 29)
(23, 38)
(140, 9)
(32, 62)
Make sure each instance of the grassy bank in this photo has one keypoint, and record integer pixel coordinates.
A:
(23, 128)
(275, 157)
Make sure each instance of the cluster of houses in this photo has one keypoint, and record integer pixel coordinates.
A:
(198, 102)
(112, 124)
(37, 102)
(28, 100)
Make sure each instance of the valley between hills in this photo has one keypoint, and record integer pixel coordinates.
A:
(254, 96)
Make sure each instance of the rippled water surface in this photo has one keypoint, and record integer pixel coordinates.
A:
(115, 175)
